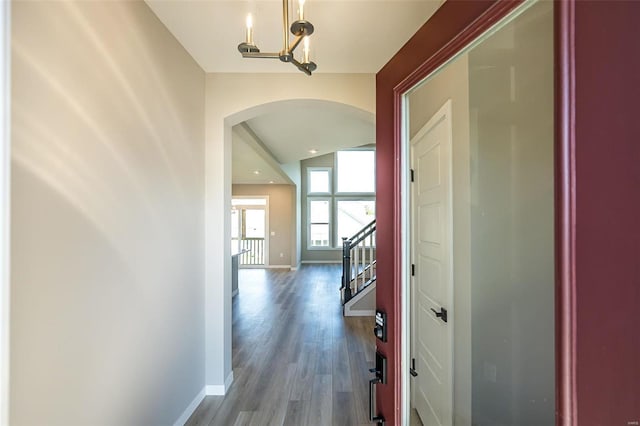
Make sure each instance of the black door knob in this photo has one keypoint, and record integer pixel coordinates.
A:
(442, 314)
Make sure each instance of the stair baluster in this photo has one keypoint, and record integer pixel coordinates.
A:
(358, 261)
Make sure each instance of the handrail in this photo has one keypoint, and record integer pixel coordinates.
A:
(365, 231)
(362, 237)
(358, 261)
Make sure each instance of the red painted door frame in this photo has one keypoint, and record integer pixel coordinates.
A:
(597, 347)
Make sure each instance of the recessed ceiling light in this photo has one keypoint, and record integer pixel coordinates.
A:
(256, 172)
(313, 151)
(271, 181)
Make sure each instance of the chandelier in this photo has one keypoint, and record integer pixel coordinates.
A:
(301, 30)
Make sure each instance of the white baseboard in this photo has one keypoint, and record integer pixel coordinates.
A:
(361, 314)
(264, 266)
(321, 261)
(191, 408)
(220, 389)
(228, 381)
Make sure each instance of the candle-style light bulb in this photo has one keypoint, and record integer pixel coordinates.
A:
(306, 50)
(249, 29)
(301, 10)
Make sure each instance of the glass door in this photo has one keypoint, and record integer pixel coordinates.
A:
(479, 139)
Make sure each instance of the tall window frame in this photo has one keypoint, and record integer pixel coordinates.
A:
(335, 198)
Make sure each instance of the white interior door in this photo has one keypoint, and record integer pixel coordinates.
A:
(432, 281)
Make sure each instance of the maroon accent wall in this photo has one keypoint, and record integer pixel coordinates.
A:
(607, 213)
(598, 198)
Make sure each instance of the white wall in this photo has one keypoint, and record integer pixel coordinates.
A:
(107, 318)
(231, 99)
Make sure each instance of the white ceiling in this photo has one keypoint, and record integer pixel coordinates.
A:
(353, 36)
(290, 133)
(247, 160)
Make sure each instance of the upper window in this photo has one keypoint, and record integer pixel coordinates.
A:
(319, 181)
(356, 171)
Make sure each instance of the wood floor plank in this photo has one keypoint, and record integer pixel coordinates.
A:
(296, 360)
(243, 419)
(205, 411)
(341, 367)
(343, 411)
(294, 416)
(320, 413)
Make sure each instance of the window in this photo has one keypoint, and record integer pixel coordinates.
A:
(319, 210)
(356, 171)
(319, 181)
(353, 215)
(340, 199)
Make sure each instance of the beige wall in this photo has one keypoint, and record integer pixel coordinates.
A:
(281, 220)
(107, 312)
(5, 161)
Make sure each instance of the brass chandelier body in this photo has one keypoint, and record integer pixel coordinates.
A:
(300, 29)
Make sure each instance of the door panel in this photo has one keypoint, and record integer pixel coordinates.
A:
(432, 282)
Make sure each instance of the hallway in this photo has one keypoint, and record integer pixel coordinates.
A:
(296, 359)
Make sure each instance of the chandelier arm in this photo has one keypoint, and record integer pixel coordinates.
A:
(285, 25)
(261, 55)
(296, 42)
(301, 67)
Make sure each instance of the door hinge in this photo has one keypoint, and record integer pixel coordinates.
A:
(413, 270)
(412, 370)
(412, 175)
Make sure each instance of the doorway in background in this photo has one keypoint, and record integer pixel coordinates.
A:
(250, 230)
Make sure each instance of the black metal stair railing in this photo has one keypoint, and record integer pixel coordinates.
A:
(358, 261)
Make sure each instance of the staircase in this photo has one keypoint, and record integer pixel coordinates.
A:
(357, 291)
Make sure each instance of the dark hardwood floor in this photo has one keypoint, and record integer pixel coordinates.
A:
(296, 360)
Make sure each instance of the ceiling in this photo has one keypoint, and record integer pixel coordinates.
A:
(248, 164)
(291, 132)
(353, 36)
(294, 131)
